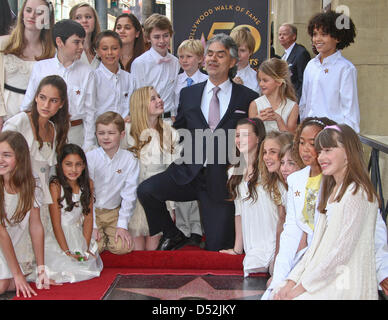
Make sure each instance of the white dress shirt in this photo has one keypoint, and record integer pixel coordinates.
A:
(115, 182)
(80, 83)
(181, 82)
(288, 51)
(147, 71)
(114, 90)
(249, 78)
(224, 96)
(330, 90)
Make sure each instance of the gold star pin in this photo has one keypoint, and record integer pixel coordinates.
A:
(326, 70)
(297, 194)
(78, 92)
(119, 171)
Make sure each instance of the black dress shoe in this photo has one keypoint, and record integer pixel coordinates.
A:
(195, 239)
(174, 243)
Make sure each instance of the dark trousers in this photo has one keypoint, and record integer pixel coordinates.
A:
(217, 216)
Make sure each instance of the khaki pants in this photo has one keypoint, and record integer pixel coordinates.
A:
(106, 221)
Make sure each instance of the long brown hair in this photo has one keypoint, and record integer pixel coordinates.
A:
(270, 180)
(139, 46)
(235, 180)
(17, 42)
(83, 181)
(356, 169)
(61, 119)
(22, 179)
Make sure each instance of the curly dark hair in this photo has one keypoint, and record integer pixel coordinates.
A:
(328, 22)
(83, 180)
(319, 122)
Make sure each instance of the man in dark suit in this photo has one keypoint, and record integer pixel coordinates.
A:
(207, 111)
(296, 55)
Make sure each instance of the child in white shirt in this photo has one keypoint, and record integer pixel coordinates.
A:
(113, 83)
(115, 173)
(157, 67)
(190, 54)
(246, 46)
(329, 80)
(68, 37)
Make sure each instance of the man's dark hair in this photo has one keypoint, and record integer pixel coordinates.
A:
(65, 28)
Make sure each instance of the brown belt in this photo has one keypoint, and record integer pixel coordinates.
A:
(75, 123)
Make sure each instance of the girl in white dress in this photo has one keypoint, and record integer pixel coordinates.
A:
(131, 34)
(340, 262)
(276, 107)
(44, 126)
(258, 194)
(155, 143)
(71, 254)
(303, 187)
(30, 41)
(19, 215)
(87, 17)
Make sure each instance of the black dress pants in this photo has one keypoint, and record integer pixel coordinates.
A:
(217, 216)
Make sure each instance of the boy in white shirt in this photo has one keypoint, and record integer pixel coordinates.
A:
(191, 55)
(330, 80)
(246, 46)
(68, 37)
(157, 67)
(115, 173)
(113, 83)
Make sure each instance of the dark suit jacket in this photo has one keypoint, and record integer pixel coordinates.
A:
(297, 61)
(190, 117)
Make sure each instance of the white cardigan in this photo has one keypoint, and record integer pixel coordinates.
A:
(340, 262)
(294, 228)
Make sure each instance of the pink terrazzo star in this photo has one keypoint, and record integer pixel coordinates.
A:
(197, 288)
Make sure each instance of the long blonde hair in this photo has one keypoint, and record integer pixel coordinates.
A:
(139, 103)
(278, 70)
(17, 42)
(270, 180)
(22, 179)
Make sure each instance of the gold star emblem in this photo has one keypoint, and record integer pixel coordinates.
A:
(78, 92)
(119, 171)
(326, 70)
(297, 194)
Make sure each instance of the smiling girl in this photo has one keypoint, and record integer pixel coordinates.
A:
(71, 254)
(28, 43)
(19, 216)
(303, 187)
(258, 194)
(340, 262)
(155, 143)
(277, 106)
(131, 34)
(45, 126)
